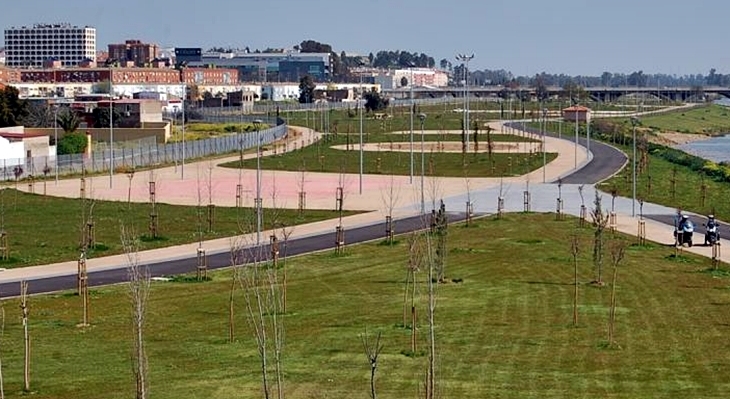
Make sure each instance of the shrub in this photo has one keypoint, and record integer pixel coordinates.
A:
(71, 143)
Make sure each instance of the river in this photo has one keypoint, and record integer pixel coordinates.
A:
(715, 149)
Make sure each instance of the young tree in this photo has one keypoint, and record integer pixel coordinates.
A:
(574, 251)
(390, 196)
(600, 221)
(139, 289)
(618, 250)
(25, 311)
(2, 337)
(372, 351)
(490, 143)
(261, 293)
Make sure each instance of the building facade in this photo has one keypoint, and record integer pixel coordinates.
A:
(134, 51)
(418, 77)
(261, 67)
(29, 47)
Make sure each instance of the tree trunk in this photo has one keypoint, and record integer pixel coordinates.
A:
(231, 323)
(372, 382)
(405, 299)
(575, 291)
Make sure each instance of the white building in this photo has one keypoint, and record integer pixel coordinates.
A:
(31, 46)
(20, 148)
(418, 77)
(280, 91)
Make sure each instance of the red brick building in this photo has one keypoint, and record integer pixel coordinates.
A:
(163, 76)
(133, 51)
(9, 75)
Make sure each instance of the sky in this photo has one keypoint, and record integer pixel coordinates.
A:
(575, 37)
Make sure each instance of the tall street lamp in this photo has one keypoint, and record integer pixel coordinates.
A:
(55, 137)
(422, 117)
(634, 122)
(362, 104)
(465, 59)
(111, 129)
(413, 110)
(182, 168)
(544, 148)
(257, 126)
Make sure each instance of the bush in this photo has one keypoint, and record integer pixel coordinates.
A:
(71, 143)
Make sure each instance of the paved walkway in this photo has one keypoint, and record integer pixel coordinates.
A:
(378, 194)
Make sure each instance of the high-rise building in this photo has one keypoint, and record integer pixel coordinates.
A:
(27, 47)
(133, 51)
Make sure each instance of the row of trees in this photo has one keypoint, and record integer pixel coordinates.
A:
(610, 79)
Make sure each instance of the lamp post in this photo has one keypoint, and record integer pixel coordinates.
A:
(257, 126)
(544, 149)
(111, 129)
(422, 117)
(55, 137)
(182, 168)
(575, 113)
(465, 59)
(634, 123)
(412, 112)
(361, 154)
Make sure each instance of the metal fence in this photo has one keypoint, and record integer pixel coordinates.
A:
(126, 157)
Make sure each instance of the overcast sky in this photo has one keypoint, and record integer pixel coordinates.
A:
(526, 37)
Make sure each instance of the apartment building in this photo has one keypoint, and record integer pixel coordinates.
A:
(29, 47)
(134, 51)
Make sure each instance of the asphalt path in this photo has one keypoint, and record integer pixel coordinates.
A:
(698, 238)
(606, 161)
(219, 260)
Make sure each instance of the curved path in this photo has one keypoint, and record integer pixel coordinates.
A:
(605, 161)
(483, 193)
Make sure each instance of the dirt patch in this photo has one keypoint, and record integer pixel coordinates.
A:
(676, 138)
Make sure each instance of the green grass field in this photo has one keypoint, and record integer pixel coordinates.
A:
(687, 193)
(320, 157)
(504, 331)
(711, 119)
(45, 230)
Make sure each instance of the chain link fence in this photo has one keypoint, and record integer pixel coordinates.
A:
(124, 156)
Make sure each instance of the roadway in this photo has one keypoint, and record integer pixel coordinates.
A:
(220, 260)
(605, 162)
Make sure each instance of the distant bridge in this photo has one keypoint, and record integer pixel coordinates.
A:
(598, 93)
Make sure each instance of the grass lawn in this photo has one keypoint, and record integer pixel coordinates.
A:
(45, 230)
(711, 119)
(505, 331)
(199, 130)
(687, 189)
(320, 157)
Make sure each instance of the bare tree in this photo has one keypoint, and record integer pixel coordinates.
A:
(262, 296)
(236, 256)
(390, 197)
(130, 176)
(211, 205)
(469, 203)
(600, 221)
(26, 334)
(199, 208)
(286, 233)
(618, 249)
(414, 263)
(372, 351)
(2, 337)
(431, 372)
(301, 183)
(139, 289)
(574, 251)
